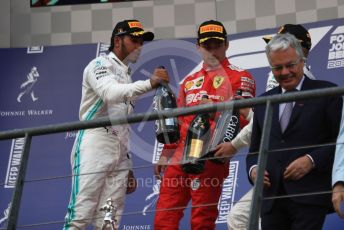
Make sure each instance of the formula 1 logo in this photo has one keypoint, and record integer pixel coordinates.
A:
(27, 86)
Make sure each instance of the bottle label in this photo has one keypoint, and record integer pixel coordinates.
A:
(169, 121)
(196, 148)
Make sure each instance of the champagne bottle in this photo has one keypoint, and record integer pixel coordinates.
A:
(196, 143)
(166, 129)
(227, 127)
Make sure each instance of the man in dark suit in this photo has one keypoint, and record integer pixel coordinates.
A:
(296, 124)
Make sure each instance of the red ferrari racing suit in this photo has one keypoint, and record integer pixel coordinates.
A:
(204, 189)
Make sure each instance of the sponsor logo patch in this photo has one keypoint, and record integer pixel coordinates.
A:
(192, 97)
(100, 71)
(218, 81)
(211, 28)
(195, 184)
(135, 25)
(188, 85)
(194, 84)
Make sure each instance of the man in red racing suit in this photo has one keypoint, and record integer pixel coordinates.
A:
(219, 80)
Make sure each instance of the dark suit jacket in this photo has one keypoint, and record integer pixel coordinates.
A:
(314, 121)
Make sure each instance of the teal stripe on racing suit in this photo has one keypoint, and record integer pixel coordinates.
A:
(76, 168)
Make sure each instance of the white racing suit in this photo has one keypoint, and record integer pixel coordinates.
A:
(99, 159)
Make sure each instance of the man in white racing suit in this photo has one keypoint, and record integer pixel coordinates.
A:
(238, 216)
(100, 161)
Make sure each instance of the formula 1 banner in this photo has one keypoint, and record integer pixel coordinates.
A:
(42, 85)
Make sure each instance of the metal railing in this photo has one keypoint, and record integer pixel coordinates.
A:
(27, 133)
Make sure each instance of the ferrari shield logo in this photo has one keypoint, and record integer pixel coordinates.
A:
(218, 81)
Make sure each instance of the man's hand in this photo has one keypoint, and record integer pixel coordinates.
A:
(253, 176)
(338, 198)
(160, 167)
(131, 184)
(225, 151)
(298, 168)
(158, 76)
(244, 112)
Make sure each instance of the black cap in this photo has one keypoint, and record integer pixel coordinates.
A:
(298, 31)
(131, 27)
(211, 30)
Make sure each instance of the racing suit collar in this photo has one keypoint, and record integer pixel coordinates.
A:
(113, 56)
(224, 63)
